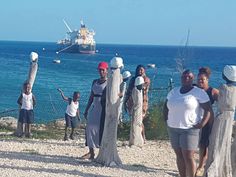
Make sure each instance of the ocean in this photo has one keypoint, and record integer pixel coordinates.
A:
(77, 71)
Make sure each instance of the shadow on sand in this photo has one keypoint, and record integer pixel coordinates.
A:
(55, 159)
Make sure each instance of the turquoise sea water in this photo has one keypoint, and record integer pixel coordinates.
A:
(77, 71)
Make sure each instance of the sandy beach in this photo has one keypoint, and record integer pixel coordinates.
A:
(54, 158)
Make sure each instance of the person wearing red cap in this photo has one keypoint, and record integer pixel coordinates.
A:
(93, 111)
(102, 65)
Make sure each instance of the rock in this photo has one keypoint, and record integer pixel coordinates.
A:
(8, 122)
(40, 127)
(58, 123)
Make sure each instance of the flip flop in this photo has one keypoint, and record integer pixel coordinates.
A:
(199, 172)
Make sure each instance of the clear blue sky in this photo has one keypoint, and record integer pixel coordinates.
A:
(156, 22)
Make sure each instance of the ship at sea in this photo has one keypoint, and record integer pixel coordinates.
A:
(78, 41)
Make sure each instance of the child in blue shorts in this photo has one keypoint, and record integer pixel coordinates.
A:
(72, 113)
(27, 102)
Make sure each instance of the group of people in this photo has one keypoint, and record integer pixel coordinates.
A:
(191, 123)
(133, 98)
(95, 109)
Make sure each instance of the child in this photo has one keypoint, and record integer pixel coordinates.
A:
(72, 113)
(27, 102)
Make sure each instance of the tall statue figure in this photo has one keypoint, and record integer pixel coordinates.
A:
(219, 158)
(108, 154)
(136, 137)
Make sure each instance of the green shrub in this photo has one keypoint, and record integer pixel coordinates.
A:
(123, 131)
(155, 126)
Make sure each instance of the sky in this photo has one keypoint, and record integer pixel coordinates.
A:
(151, 22)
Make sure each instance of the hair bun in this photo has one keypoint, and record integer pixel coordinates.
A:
(205, 70)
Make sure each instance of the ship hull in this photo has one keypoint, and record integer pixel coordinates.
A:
(82, 48)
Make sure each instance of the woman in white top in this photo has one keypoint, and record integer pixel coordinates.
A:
(186, 110)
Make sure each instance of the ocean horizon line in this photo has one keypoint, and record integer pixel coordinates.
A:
(130, 45)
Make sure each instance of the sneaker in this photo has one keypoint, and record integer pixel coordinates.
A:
(65, 138)
(29, 135)
(20, 135)
(72, 137)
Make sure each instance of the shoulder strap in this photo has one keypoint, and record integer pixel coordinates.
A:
(209, 93)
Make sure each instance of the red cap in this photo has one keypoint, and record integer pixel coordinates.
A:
(102, 65)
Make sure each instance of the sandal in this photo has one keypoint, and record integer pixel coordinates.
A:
(86, 156)
(200, 172)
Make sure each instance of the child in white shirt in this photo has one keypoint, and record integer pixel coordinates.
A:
(27, 102)
(72, 113)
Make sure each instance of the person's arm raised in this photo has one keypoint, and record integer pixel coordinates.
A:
(62, 95)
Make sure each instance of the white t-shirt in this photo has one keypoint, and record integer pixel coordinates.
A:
(27, 101)
(184, 109)
(72, 108)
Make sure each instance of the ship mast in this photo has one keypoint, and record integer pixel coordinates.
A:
(67, 26)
